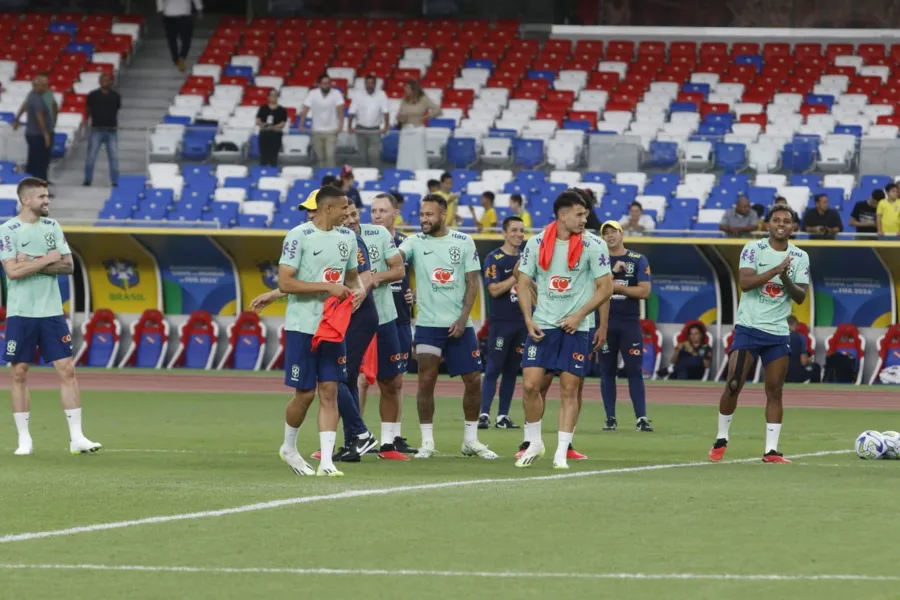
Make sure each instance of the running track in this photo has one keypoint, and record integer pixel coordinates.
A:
(814, 396)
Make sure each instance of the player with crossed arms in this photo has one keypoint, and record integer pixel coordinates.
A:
(572, 276)
(35, 253)
(773, 272)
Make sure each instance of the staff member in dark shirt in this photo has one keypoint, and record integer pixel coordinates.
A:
(271, 119)
(865, 214)
(801, 366)
(103, 106)
(822, 222)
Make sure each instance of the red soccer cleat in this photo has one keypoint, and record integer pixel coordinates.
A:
(317, 455)
(717, 452)
(388, 453)
(775, 457)
(573, 454)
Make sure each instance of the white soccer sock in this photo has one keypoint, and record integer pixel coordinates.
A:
(533, 432)
(22, 419)
(773, 430)
(427, 434)
(470, 432)
(387, 433)
(73, 416)
(326, 443)
(724, 426)
(562, 447)
(395, 433)
(290, 437)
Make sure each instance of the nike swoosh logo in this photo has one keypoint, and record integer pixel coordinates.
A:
(764, 265)
(508, 271)
(25, 244)
(577, 366)
(429, 252)
(635, 345)
(317, 252)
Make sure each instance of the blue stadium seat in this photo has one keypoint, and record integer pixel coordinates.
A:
(712, 129)
(321, 172)
(131, 182)
(730, 157)
(539, 74)
(238, 182)
(676, 221)
(58, 149)
(252, 221)
(8, 208)
(606, 179)
(7, 117)
(461, 177)
(835, 197)
(63, 27)
(735, 182)
(799, 156)
(609, 213)
(461, 152)
(540, 218)
(677, 107)
(376, 185)
(721, 197)
(151, 211)
(528, 153)
(224, 222)
(705, 226)
(479, 63)
(238, 71)
(871, 182)
(531, 177)
(197, 143)
(390, 145)
(810, 181)
(696, 88)
(849, 130)
(518, 187)
(659, 189)
(552, 190)
(200, 194)
(721, 119)
(266, 195)
(762, 195)
(503, 133)
(159, 196)
(860, 195)
(302, 188)
(253, 147)
(190, 172)
(410, 211)
(470, 200)
(754, 60)
(287, 220)
(259, 171)
(626, 193)
(82, 48)
(670, 180)
(663, 154)
(186, 211)
(226, 212)
(442, 124)
(821, 99)
(7, 168)
(584, 126)
(176, 120)
(394, 176)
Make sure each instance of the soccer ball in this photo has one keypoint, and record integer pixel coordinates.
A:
(870, 445)
(891, 444)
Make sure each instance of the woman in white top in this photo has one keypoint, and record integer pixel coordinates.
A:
(415, 109)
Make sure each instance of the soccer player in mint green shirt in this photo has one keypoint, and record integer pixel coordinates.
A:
(448, 275)
(567, 296)
(34, 253)
(773, 273)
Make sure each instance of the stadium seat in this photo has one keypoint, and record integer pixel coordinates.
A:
(149, 342)
(846, 339)
(101, 333)
(277, 362)
(246, 343)
(888, 357)
(198, 339)
(652, 348)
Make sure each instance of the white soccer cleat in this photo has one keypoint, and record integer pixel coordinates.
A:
(295, 462)
(478, 449)
(426, 450)
(26, 448)
(329, 471)
(560, 464)
(84, 446)
(535, 451)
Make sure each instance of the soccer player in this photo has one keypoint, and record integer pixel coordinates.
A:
(631, 284)
(571, 272)
(773, 272)
(447, 278)
(34, 253)
(506, 328)
(319, 260)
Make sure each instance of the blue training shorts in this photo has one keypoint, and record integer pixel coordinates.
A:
(558, 351)
(461, 354)
(304, 369)
(24, 335)
(760, 344)
(391, 360)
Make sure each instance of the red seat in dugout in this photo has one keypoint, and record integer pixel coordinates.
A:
(887, 370)
(277, 361)
(198, 339)
(149, 342)
(653, 341)
(847, 340)
(246, 343)
(683, 336)
(100, 340)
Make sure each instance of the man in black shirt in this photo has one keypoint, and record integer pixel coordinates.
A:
(103, 106)
(821, 222)
(271, 118)
(864, 213)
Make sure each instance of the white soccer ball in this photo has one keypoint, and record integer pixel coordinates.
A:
(891, 444)
(870, 445)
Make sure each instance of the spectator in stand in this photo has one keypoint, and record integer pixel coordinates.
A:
(741, 220)
(865, 214)
(488, 219)
(271, 119)
(445, 190)
(801, 366)
(103, 106)
(369, 119)
(38, 128)
(325, 106)
(415, 109)
(888, 212)
(593, 223)
(636, 223)
(398, 220)
(347, 181)
(517, 206)
(822, 222)
(691, 359)
(179, 26)
(433, 185)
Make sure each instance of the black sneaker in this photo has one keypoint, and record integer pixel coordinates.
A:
(610, 424)
(484, 422)
(361, 445)
(345, 455)
(643, 425)
(400, 445)
(505, 423)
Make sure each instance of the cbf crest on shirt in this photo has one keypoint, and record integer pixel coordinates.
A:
(767, 308)
(37, 295)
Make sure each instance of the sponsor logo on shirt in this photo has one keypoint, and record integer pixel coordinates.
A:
(772, 290)
(442, 276)
(332, 275)
(560, 284)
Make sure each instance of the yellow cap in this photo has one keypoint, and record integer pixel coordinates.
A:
(613, 224)
(310, 202)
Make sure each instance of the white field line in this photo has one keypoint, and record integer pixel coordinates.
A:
(21, 537)
(484, 574)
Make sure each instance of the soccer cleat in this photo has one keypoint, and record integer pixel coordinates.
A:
(26, 447)
(531, 454)
(84, 446)
(317, 455)
(643, 425)
(573, 454)
(560, 464)
(345, 455)
(718, 450)
(505, 423)
(295, 462)
(361, 445)
(775, 457)
(400, 445)
(329, 471)
(522, 448)
(426, 451)
(610, 424)
(478, 449)
(484, 422)
(388, 452)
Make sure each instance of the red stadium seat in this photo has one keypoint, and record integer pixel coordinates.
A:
(846, 339)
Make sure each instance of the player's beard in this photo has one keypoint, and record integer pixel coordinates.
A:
(433, 228)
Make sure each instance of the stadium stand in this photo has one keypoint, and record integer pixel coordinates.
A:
(149, 342)
(198, 339)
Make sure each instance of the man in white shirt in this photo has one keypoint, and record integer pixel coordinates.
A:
(325, 106)
(179, 26)
(371, 113)
(636, 223)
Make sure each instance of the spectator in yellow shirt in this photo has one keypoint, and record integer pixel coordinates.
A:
(517, 206)
(445, 190)
(398, 197)
(488, 219)
(887, 218)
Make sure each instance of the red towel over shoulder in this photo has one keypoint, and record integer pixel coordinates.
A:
(548, 245)
(335, 320)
